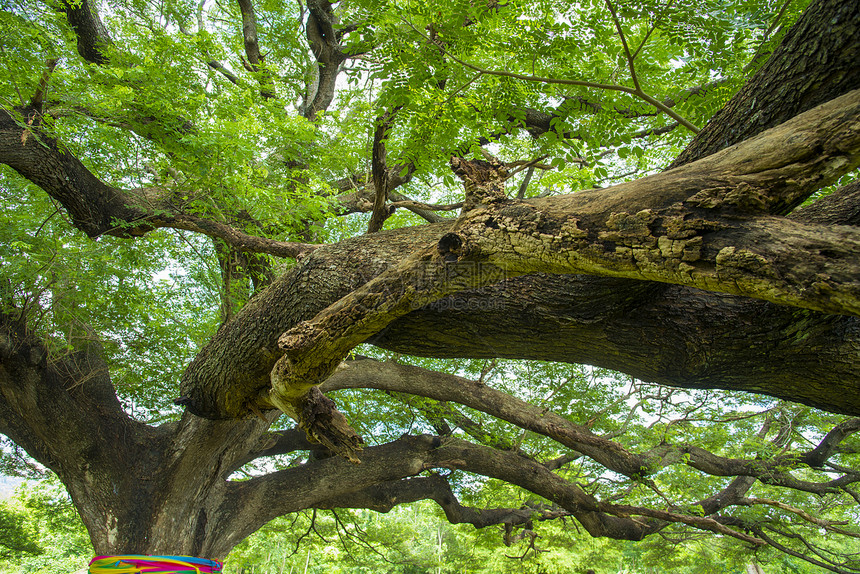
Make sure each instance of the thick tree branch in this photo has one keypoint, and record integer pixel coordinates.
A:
(444, 387)
(379, 169)
(219, 67)
(638, 240)
(561, 318)
(782, 88)
(314, 348)
(323, 41)
(386, 496)
(100, 209)
(600, 519)
(827, 447)
(842, 207)
(729, 496)
(566, 318)
(314, 484)
(280, 442)
(497, 234)
(378, 484)
(93, 37)
(255, 62)
(610, 454)
(715, 257)
(259, 500)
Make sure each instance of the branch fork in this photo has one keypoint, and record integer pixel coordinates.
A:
(666, 240)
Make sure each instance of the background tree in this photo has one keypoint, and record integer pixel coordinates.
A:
(44, 527)
(252, 134)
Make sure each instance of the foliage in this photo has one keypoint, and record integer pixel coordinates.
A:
(126, 291)
(42, 532)
(16, 541)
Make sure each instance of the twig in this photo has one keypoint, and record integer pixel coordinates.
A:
(653, 27)
(565, 82)
(464, 86)
(700, 522)
(782, 548)
(630, 56)
(529, 164)
(767, 34)
(826, 524)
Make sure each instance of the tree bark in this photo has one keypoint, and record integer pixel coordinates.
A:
(323, 40)
(813, 64)
(139, 489)
(712, 336)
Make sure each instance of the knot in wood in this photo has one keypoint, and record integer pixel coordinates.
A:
(449, 246)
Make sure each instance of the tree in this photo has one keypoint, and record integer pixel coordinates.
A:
(41, 531)
(704, 276)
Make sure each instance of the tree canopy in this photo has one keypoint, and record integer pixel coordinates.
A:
(583, 269)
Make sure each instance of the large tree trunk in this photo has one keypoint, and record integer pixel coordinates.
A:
(139, 489)
(794, 79)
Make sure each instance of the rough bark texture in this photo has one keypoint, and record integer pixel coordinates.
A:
(794, 79)
(323, 40)
(93, 37)
(495, 233)
(695, 225)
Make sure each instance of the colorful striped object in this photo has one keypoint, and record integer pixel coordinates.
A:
(134, 563)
